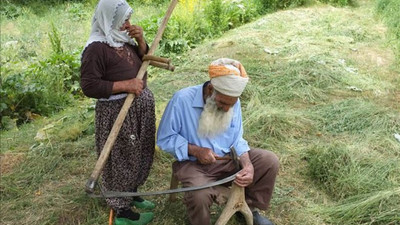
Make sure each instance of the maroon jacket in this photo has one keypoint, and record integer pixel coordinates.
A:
(101, 65)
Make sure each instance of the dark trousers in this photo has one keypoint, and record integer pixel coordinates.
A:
(258, 194)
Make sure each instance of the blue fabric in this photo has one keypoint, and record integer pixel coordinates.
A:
(178, 127)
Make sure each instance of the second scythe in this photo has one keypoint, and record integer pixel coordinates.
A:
(105, 153)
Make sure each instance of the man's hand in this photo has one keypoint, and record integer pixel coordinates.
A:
(245, 177)
(203, 155)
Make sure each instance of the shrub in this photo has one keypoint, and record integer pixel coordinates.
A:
(147, 2)
(19, 95)
(265, 6)
(340, 2)
(193, 21)
(214, 13)
(44, 87)
(10, 10)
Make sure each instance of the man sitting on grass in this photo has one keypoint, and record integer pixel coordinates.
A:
(203, 122)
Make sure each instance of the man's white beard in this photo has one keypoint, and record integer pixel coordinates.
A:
(213, 121)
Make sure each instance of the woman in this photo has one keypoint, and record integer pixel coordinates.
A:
(110, 63)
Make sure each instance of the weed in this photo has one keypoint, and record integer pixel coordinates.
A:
(55, 40)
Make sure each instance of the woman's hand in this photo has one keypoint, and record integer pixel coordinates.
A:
(134, 86)
(136, 32)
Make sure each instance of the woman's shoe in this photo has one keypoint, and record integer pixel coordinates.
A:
(140, 203)
(144, 219)
(143, 204)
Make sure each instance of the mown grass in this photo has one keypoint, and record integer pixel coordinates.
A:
(339, 159)
(379, 207)
(345, 171)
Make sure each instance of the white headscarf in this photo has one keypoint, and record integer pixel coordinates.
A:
(228, 76)
(109, 16)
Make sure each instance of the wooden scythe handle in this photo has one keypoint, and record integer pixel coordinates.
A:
(157, 59)
(163, 65)
(105, 153)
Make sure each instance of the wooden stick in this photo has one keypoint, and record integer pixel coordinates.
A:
(222, 158)
(156, 58)
(111, 217)
(162, 65)
(105, 153)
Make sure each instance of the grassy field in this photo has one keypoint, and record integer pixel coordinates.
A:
(324, 95)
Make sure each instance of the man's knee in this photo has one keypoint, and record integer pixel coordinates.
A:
(273, 160)
(267, 158)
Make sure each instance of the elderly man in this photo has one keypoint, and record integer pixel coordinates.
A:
(203, 122)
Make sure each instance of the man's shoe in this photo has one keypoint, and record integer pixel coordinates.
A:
(144, 219)
(143, 204)
(260, 220)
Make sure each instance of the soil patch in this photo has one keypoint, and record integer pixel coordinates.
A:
(9, 160)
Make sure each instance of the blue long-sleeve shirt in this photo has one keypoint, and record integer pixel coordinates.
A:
(178, 127)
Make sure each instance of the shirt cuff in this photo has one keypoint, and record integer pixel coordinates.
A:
(181, 152)
(241, 147)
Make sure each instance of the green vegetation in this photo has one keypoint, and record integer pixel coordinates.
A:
(380, 207)
(323, 94)
(390, 11)
(52, 72)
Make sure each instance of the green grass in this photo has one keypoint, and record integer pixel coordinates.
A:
(389, 12)
(379, 207)
(345, 171)
(340, 163)
(357, 116)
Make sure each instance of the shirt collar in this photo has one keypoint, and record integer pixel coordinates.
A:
(198, 98)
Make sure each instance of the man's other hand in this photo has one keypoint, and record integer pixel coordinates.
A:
(203, 155)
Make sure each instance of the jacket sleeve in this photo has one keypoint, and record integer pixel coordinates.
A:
(93, 68)
(136, 49)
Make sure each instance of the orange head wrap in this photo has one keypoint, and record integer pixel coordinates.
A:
(228, 76)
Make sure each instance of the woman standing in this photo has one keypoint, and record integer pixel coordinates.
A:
(110, 63)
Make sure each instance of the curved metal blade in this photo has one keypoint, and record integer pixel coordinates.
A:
(114, 194)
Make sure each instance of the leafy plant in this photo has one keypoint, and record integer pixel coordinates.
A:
(44, 87)
(340, 2)
(10, 10)
(55, 40)
(19, 95)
